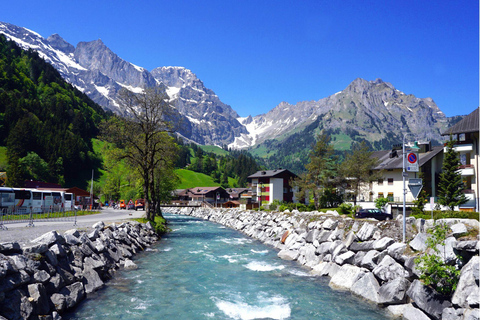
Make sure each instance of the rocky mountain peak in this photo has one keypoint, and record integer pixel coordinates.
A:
(59, 43)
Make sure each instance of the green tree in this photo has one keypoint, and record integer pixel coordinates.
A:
(450, 186)
(321, 170)
(35, 167)
(143, 138)
(357, 169)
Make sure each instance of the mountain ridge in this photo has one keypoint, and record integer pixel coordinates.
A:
(372, 110)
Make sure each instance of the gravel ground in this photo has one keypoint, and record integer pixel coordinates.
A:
(19, 232)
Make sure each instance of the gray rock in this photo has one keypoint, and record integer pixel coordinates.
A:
(10, 248)
(361, 246)
(469, 246)
(366, 287)
(345, 277)
(358, 258)
(325, 269)
(73, 293)
(394, 292)
(471, 314)
(49, 238)
(287, 254)
(59, 302)
(366, 231)
(388, 269)
(412, 313)
(324, 236)
(345, 258)
(458, 229)
(130, 265)
(41, 276)
(468, 282)
(452, 314)
(39, 248)
(99, 225)
(382, 243)
(71, 239)
(427, 299)
(92, 280)
(419, 243)
(396, 251)
(368, 260)
(311, 235)
(39, 298)
(16, 305)
(446, 252)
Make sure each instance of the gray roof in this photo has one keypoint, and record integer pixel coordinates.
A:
(271, 173)
(385, 162)
(467, 124)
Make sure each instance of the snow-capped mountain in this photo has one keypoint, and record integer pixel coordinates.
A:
(98, 72)
(370, 110)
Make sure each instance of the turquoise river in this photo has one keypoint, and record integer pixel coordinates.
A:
(204, 270)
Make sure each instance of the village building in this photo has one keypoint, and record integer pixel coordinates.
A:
(270, 185)
(390, 163)
(466, 133)
(214, 196)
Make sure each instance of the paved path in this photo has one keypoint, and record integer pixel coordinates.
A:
(22, 234)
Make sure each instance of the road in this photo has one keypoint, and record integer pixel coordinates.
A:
(19, 232)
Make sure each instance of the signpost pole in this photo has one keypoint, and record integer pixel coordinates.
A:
(404, 175)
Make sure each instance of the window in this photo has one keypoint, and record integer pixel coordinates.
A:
(461, 137)
(380, 195)
(390, 181)
(390, 196)
(380, 182)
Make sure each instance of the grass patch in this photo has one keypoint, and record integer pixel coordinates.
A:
(159, 224)
(191, 179)
(51, 215)
(216, 150)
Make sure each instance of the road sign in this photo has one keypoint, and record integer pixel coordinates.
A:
(415, 186)
(412, 162)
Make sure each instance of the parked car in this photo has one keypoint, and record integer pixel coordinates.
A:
(122, 204)
(373, 213)
(140, 204)
(130, 205)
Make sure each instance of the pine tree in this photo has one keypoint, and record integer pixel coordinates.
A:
(450, 187)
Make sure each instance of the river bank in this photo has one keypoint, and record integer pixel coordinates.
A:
(365, 257)
(54, 272)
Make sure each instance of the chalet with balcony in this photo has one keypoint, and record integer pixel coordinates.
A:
(269, 185)
(466, 133)
(430, 161)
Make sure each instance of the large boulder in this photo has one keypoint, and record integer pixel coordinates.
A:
(346, 276)
(388, 269)
(427, 299)
(287, 254)
(468, 283)
(366, 287)
(91, 280)
(39, 298)
(366, 231)
(412, 313)
(383, 243)
(394, 292)
(419, 243)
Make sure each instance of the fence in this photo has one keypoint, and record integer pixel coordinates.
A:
(27, 215)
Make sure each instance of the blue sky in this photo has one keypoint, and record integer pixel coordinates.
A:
(256, 54)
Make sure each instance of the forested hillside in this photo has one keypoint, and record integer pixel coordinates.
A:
(236, 165)
(45, 123)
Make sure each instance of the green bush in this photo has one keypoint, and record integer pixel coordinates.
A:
(438, 214)
(433, 270)
(381, 202)
(345, 208)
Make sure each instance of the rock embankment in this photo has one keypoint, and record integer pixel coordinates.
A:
(366, 258)
(54, 274)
